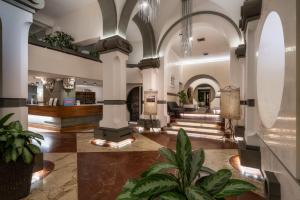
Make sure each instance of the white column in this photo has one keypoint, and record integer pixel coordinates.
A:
(236, 78)
(150, 78)
(162, 114)
(14, 69)
(251, 113)
(114, 90)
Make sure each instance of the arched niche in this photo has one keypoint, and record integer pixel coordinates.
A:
(270, 69)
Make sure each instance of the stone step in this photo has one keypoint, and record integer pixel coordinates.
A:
(197, 134)
(201, 131)
(197, 125)
(206, 121)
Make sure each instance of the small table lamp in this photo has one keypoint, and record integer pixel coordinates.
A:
(230, 108)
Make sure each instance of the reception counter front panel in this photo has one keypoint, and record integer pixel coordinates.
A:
(65, 119)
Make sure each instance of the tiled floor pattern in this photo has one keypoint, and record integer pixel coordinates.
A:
(87, 172)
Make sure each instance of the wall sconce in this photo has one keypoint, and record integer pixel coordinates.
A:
(230, 109)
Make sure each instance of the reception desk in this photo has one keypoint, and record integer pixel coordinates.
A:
(64, 118)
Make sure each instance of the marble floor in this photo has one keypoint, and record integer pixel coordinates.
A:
(83, 171)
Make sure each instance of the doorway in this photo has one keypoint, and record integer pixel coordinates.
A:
(134, 104)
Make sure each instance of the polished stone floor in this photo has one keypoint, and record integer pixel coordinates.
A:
(83, 171)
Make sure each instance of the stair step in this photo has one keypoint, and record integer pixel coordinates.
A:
(199, 131)
(197, 125)
(206, 121)
(197, 135)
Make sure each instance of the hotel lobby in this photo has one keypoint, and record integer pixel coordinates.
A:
(149, 100)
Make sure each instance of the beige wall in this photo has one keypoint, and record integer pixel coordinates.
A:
(54, 62)
(219, 70)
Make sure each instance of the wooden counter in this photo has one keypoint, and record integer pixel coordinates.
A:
(65, 118)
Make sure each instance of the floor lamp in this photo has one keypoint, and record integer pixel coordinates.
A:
(230, 109)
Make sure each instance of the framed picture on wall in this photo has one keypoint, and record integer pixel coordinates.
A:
(172, 83)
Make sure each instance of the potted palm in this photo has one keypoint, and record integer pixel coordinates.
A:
(17, 153)
(182, 97)
(183, 177)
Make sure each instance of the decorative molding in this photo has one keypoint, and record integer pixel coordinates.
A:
(109, 16)
(251, 10)
(132, 65)
(240, 51)
(149, 63)
(114, 43)
(207, 12)
(114, 102)
(172, 94)
(148, 36)
(12, 102)
(161, 102)
(28, 5)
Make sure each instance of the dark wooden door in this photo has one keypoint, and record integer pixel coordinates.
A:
(134, 104)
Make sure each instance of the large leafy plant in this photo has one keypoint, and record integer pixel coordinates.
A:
(60, 39)
(17, 143)
(183, 177)
(182, 97)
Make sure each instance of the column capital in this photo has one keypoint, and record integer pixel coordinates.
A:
(240, 51)
(114, 43)
(149, 63)
(28, 5)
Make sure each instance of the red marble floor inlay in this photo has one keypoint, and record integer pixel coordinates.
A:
(102, 175)
(59, 143)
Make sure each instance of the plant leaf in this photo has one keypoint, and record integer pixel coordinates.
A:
(4, 119)
(184, 153)
(33, 135)
(7, 156)
(27, 156)
(126, 193)
(216, 182)
(168, 154)
(235, 187)
(172, 196)
(156, 168)
(198, 158)
(14, 154)
(194, 193)
(19, 142)
(154, 184)
(207, 170)
(34, 149)
(3, 138)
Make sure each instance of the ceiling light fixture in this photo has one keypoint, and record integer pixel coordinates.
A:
(187, 31)
(148, 9)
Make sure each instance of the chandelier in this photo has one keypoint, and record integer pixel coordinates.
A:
(187, 30)
(148, 9)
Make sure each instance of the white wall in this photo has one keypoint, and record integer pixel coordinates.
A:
(134, 75)
(219, 70)
(54, 62)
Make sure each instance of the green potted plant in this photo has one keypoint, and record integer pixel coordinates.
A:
(182, 97)
(183, 177)
(17, 153)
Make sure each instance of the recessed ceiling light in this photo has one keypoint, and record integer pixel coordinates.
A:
(205, 54)
(201, 39)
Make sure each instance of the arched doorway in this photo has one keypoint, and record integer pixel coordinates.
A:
(134, 103)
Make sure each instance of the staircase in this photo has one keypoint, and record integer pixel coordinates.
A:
(209, 126)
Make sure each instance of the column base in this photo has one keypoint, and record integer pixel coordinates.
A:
(113, 135)
(148, 123)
